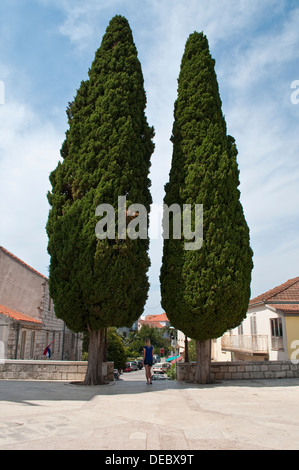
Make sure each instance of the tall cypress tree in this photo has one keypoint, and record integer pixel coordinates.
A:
(106, 154)
(205, 292)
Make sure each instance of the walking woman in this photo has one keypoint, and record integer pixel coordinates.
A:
(148, 352)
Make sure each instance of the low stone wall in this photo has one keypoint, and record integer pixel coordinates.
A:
(241, 370)
(49, 370)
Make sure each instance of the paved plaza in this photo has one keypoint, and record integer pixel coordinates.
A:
(131, 415)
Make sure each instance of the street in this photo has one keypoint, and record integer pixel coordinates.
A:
(167, 415)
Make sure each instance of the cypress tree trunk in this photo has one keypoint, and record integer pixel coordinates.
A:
(203, 362)
(105, 346)
(96, 357)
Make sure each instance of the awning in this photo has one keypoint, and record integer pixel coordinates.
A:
(171, 359)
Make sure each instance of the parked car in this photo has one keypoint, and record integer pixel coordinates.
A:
(133, 365)
(161, 367)
(127, 367)
(156, 358)
(139, 363)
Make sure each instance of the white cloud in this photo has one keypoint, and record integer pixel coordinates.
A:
(264, 57)
(84, 20)
(256, 81)
(29, 151)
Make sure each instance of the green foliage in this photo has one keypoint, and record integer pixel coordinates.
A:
(136, 341)
(101, 283)
(205, 292)
(154, 334)
(171, 372)
(192, 350)
(115, 350)
(134, 344)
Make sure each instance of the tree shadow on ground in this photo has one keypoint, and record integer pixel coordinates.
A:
(36, 393)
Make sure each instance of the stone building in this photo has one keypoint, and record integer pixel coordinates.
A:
(28, 323)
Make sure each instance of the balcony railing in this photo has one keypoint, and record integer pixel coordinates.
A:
(254, 344)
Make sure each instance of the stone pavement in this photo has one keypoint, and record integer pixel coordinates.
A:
(168, 415)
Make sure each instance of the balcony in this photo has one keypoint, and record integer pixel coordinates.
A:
(247, 344)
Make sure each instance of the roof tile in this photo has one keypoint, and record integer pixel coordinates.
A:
(161, 317)
(18, 316)
(288, 291)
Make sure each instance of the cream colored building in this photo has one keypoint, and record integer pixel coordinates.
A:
(270, 330)
(28, 323)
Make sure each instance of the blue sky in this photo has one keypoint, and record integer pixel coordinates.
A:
(46, 49)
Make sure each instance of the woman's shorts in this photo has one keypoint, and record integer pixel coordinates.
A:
(148, 363)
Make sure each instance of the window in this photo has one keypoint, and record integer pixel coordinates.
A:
(276, 333)
(23, 344)
(53, 343)
(253, 328)
(32, 344)
(240, 329)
